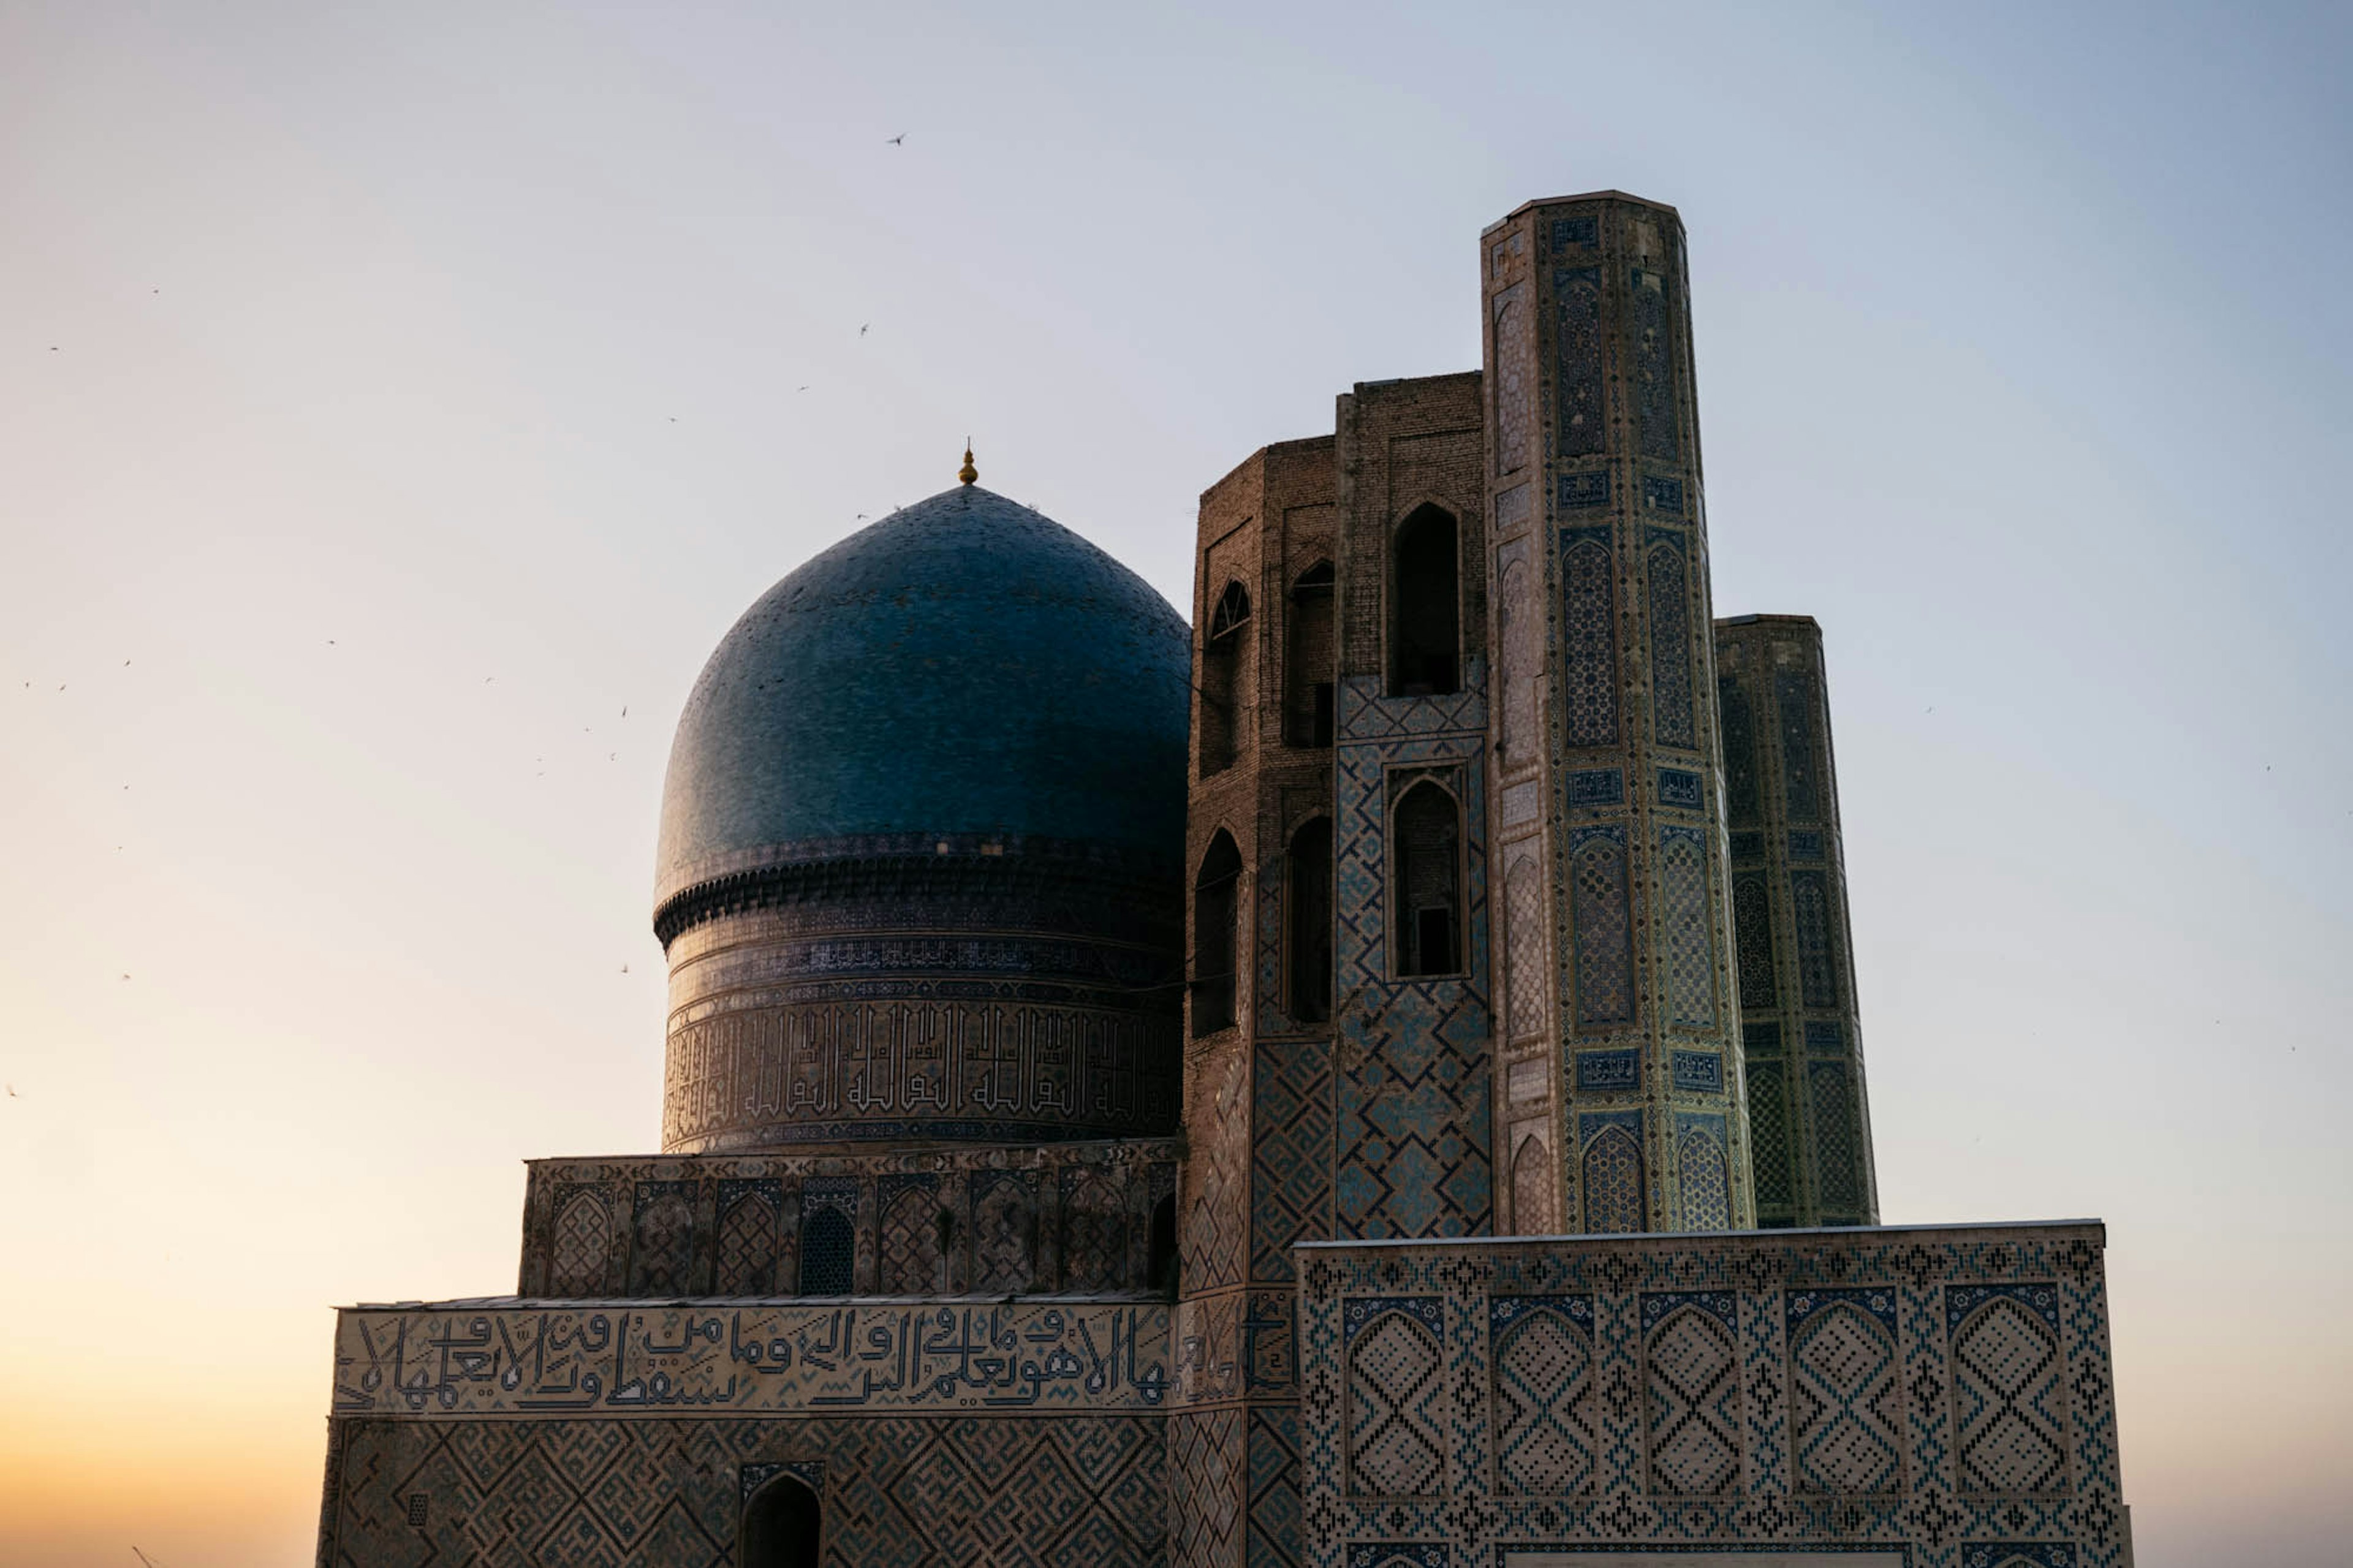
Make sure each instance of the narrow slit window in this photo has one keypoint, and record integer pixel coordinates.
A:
(1309, 940)
(1215, 908)
(1221, 693)
(1425, 587)
(1307, 705)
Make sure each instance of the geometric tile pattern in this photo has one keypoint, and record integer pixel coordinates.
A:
(1797, 768)
(1094, 1230)
(1547, 1436)
(745, 1264)
(1752, 1392)
(1413, 1113)
(1291, 1165)
(1576, 348)
(1670, 679)
(1846, 1413)
(1613, 1177)
(1588, 668)
(901, 1491)
(1004, 1232)
(1273, 1514)
(1604, 939)
(1396, 1444)
(1654, 365)
(1205, 1497)
(662, 1261)
(1838, 1147)
(912, 1261)
(2009, 1406)
(1768, 1136)
(1817, 960)
(1704, 1171)
(1752, 931)
(1689, 927)
(582, 1240)
(1691, 1390)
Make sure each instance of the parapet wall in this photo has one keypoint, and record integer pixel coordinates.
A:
(1938, 1397)
(945, 1220)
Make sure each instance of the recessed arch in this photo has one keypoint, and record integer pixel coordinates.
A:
(1426, 838)
(1426, 605)
(1308, 667)
(1216, 912)
(1307, 911)
(784, 1525)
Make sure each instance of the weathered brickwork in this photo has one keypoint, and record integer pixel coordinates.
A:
(1801, 1025)
(1619, 1082)
(1044, 1186)
(1081, 1217)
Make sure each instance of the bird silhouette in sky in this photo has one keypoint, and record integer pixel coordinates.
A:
(14, 1095)
(899, 141)
(625, 712)
(862, 326)
(800, 389)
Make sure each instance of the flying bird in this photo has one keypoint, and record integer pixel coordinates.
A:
(625, 712)
(14, 1095)
(862, 326)
(800, 389)
(898, 140)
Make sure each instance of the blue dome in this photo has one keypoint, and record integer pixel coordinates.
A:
(965, 669)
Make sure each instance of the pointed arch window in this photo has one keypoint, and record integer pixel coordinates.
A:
(1307, 944)
(1427, 852)
(1222, 685)
(782, 1525)
(1425, 592)
(1307, 667)
(1216, 905)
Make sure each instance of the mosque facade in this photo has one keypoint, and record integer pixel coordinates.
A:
(1373, 1081)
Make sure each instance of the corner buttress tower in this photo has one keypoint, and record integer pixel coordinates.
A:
(1619, 1094)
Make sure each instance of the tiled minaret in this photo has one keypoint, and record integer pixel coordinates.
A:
(1620, 1089)
(1809, 1118)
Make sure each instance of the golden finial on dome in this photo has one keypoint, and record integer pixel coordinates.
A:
(967, 473)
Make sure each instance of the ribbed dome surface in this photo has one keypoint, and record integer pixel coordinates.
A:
(965, 666)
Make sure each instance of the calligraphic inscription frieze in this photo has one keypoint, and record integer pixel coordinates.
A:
(623, 1358)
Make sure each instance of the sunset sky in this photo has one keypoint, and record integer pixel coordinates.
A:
(391, 396)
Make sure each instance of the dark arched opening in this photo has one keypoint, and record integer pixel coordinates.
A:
(1429, 838)
(782, 1525)
(1160, 1254)
(1308, 941)
(1307, 666)
(1216, 895)
(1221, 679)
(1425, 589)
(829, 1250)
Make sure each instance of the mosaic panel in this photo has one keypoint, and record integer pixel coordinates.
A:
(1547, 1429)
(1838, 1143)
(661, 1260)
(1679, 788)
(1589, 639)
(1205, 1489)
(897, 1492)
(1667, 579)
(1697, 1072)
(1274, 1522)
(1519, 627)
(1768, 1137)
(1703, 1171)
(1096, 1230)
(914, 1262)
(745, 1264)
(1003, 1231)
(1654, 365)
(1611, 1175)
(622, 1361)
(1802, 796)
(1216, 1174)
(1531, 1188)
(1768, 1366)
(1397, 1442)
(1752, 939)
(1742, 798)
(1845, 1399)
(1602, 921)
(1691, 1395)
(1515, 361)
(1609, 1071)
(1523, 929)
(1818, 964)
(2010, 1410)
(1688, 926)
(1577, 360)
(1596, 786)
(1291, 1161)
(581, 1244)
